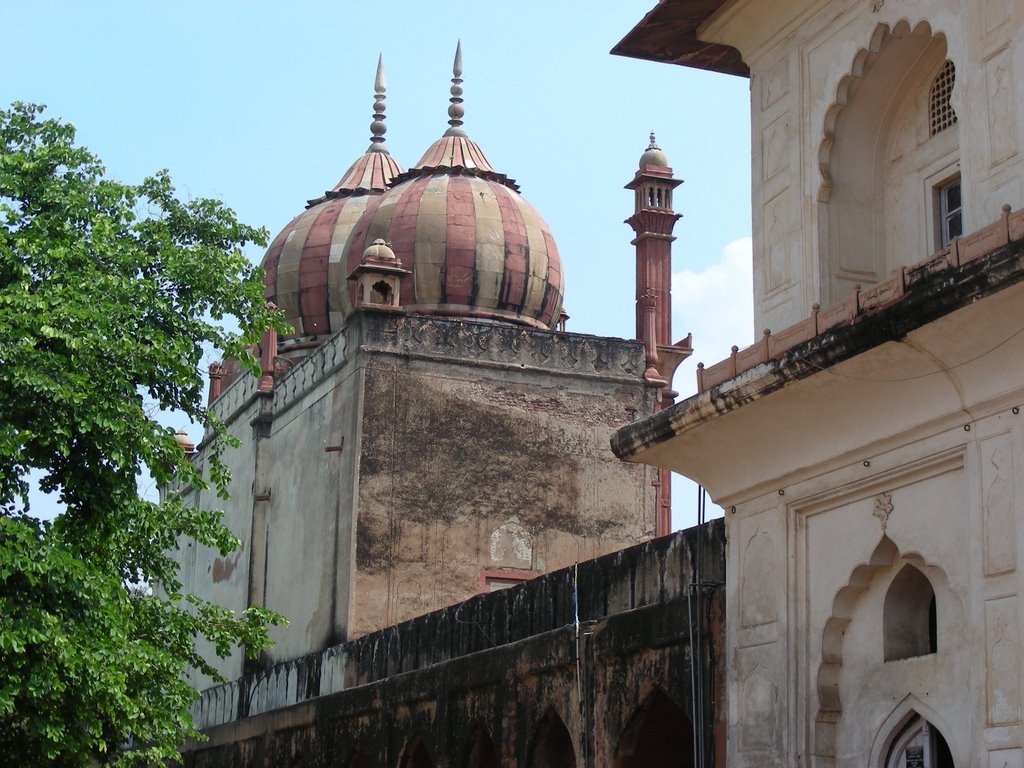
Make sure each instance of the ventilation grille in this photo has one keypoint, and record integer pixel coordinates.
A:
(940, 111)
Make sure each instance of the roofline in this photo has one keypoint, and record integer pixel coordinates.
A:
(938, 293)
(669, 32)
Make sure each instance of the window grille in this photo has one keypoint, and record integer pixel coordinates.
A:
(940, 112)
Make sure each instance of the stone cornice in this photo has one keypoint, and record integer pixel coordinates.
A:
(502, 345)
(934, 290)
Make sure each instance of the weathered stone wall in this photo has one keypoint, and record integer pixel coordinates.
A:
(484, 449)
(502, 671)
(407, 458)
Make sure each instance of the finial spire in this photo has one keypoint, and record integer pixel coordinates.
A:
(377, 127)
(653, 144)
(456, 110)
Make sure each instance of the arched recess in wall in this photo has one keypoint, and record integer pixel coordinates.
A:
(357, 759)
(882, 166)
(480, 751)
(886, 556)
(909, 616)
(911, 735)
(552, 745)
(658, 735)
(415, 755)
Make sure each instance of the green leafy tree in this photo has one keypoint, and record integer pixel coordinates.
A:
(109, 294)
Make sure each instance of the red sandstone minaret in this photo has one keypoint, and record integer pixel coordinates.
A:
(653, 220)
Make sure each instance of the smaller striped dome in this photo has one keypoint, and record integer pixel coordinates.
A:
(371, 173)
(305, 275)
(304, 269)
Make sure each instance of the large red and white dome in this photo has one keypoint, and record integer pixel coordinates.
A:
(472, 245)
(475, 247)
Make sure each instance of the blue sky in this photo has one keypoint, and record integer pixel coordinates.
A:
(264, 105)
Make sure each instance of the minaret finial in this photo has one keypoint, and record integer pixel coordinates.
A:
(456, 110)
(377, 127)
(653, 144)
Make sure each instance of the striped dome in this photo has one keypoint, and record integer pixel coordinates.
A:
(474, 246)
(305, 275)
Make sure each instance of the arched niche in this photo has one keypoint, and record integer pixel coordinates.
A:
(480, 751)
(885, 569)
(552, 745)
(415, 755)
(909, 616)
(658, 735)
(881, 165)
(357, 759)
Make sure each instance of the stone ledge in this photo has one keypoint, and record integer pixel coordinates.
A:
(865, 301)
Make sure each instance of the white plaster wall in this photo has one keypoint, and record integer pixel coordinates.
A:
(309, 524)
(223, 580)
(800, 55)
(792, 559)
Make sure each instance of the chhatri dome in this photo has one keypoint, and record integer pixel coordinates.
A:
(470, 244)
(305, 273)
(653, 155)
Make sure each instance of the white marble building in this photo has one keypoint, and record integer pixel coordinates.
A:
(869, 450)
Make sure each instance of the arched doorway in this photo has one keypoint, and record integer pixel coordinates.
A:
(481, 752)
(919, 745)
(415, 755)
(357, 759)
(658, 735)
(552, 745)
(910, 616)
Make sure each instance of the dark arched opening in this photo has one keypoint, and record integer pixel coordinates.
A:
(481, 753)
(919, 743)
(909, 617)
(552, 745)
(357, 759)
(415, 756)
(658, 735)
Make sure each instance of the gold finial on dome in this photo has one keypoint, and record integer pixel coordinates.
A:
(456, 110)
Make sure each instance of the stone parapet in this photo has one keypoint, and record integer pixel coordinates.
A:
(865, 301)
(653, 573)
(503, 345)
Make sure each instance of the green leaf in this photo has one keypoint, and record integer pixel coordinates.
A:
(109, 295)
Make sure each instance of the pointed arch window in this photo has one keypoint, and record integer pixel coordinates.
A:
(481, 752)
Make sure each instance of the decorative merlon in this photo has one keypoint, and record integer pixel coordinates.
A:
(865, 301)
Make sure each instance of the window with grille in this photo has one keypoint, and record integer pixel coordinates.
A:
(940, 112)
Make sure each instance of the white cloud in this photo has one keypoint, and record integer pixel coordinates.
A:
(716, 305)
